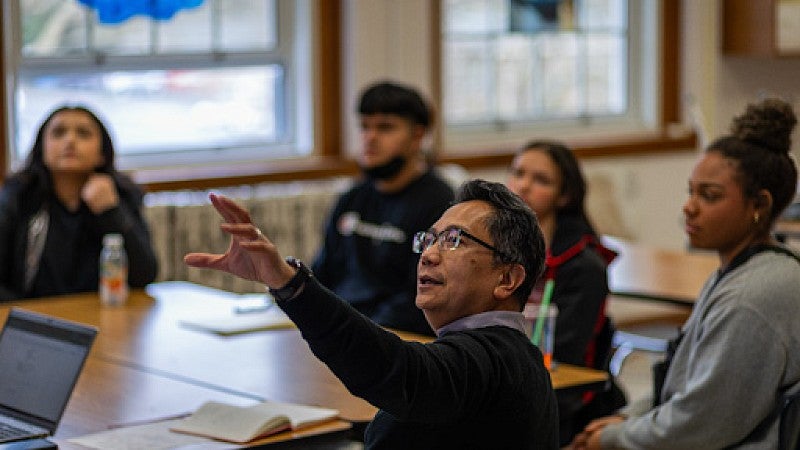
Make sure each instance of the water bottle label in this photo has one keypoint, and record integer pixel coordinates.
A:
(113, 270)
(113, 287)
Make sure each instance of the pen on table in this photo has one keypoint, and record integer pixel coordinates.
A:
(182, 415)
(247, 309)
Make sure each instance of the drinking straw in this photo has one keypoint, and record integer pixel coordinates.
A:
(548, 292)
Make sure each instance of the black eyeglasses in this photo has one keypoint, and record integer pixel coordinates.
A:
(448, 239)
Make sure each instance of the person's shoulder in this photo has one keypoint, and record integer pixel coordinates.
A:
(359, 192)
(767, 282)
(780, 268)
(583, 265)
(11, 186)
(434, 188)
(433, 179)
(575, 246)
(780, 263)
(496, 335)
(592, 257)
(128, 189)
(493, 343)
(572, 230)
(14, 188)
(359, 186)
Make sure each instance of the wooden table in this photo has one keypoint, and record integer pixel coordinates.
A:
(787, 229)
(144, 365)
(109, 394)
(656, 274)
(146, 335)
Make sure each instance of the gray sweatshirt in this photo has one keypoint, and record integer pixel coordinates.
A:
(738, 356)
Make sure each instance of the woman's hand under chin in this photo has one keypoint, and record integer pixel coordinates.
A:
(100, 193)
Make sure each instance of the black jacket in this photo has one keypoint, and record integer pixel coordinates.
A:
(67, 259)
(577, 262)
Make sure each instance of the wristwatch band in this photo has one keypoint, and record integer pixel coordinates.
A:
(288, 291)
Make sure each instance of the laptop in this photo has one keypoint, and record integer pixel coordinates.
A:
(40, 360)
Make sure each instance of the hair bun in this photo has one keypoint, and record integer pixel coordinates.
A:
(768, 124)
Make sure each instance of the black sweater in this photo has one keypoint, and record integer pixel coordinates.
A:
(481, 388)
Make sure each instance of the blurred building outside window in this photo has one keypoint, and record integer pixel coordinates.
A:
(224, 80)
(515, 69)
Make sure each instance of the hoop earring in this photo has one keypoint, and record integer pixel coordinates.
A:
(756, 218)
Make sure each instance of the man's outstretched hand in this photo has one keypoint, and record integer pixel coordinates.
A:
(251, 255)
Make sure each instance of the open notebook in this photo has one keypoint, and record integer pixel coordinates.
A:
(233, 323)
(40, 360)
(244, 424)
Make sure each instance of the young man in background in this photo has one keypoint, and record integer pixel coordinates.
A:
(366, 256)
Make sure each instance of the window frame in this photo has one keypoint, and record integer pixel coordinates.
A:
(292, 108)
(667, 135)
(495, 126)
(330, 158)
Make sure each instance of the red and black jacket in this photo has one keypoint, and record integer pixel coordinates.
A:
(576, 261)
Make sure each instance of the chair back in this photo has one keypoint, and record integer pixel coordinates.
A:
(789, 434)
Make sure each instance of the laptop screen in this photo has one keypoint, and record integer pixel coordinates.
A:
(40, 360)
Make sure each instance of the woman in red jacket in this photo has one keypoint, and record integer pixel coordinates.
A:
(547, 177)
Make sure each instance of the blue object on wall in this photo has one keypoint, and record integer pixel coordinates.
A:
(118, 11)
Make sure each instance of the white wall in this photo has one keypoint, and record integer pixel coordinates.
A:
(721, 85)
(643, 201)
(389, 38)
(383, 39)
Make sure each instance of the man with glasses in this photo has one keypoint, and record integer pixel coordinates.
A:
(481, 384)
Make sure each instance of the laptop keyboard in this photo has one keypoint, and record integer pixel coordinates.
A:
(9, 432)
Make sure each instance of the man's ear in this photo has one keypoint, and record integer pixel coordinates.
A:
(418, 136)
(418, 132)
(510, 280)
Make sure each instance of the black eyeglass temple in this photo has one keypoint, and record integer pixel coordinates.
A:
(482, 242)
(488, 246)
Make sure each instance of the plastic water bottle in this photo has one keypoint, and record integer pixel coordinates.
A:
(113, 271)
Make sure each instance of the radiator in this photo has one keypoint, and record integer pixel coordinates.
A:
(292, 215)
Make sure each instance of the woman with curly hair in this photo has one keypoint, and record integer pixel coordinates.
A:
(736, 357)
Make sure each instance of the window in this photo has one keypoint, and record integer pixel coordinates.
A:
(555, 68)
(226, 80)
